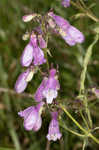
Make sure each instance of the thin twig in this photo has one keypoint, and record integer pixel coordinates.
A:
(6, 90)
(48, 145)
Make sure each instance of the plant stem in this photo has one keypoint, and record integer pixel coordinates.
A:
(71, 131)
(87, 134)
(84, 119)
(85, 11)
(85, 64)
(83, 76)
(84, 144)
(69, 115)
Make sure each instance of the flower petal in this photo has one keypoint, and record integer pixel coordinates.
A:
(27, 55)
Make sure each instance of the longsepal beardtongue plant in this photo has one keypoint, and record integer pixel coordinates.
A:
(34, 55)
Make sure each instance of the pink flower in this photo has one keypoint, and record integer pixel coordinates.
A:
(27, 55)
(32, 117)
(32, 53)
(53, 131)
(48, 88)
(23, 80)
(69, 33)
(29, 17)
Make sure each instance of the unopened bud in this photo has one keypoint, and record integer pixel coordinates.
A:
(42, 42)
(25, 36)
(30, 76)
(96, 92)
(28, 18)
(51, 23)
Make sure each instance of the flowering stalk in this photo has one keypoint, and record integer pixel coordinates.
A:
(83, 76)
(34, 55)
(85, 64)
(43, 26)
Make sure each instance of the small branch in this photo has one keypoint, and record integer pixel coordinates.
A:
(48, 145)
(87, 133)
(6, 90)
(85, 11)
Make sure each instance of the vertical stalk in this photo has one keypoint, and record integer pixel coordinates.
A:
(83, 77)
(85, 64)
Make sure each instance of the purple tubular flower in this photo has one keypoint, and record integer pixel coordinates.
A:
(23, 80)
(29, 17)
(32, 117)
(61, 22)
(42, 42)
(33, 40)
(73, 36)
(52, 85)
(27, 55)
(66, 3)
(39, 93)
(38, 53)
(21, 83)
(69, 33)
(38, 56)
(48, 88)
(32, 51)
(53, 132)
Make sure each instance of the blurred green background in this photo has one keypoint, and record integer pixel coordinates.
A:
(70, 59)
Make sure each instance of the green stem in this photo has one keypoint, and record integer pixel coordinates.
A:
(94, 138)
(46, 39)
(69, 115)
(84, 144)
(81, 113)
(85, 64)
(87, 12)
(71, 131)
(83, 76)
(87, 134)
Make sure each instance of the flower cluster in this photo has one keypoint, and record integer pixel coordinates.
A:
(32, 57)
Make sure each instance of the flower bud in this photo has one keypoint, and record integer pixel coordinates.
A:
(42, 42)
(29, 17)
(96, 92)
(52, 24)
(30, 76)
(25, 36)
(21, 83)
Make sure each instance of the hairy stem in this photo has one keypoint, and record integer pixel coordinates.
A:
(85, 11)
(85, 64)
(87, 133)
(83, 77)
